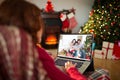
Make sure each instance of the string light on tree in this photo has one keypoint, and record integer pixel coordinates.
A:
(104, 19)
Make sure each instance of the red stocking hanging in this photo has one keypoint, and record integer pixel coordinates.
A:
(72, 21)
(65, 22)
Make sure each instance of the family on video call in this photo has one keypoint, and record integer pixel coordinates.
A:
(76, 48)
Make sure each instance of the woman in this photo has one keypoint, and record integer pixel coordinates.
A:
(26, 16)
(18, 54)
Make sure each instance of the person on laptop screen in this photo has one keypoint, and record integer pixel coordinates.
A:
(26, 17)
(75, 46)
(81, 49)
(76, 49)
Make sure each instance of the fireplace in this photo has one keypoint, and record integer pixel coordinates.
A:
(51, 39)
(52, 30)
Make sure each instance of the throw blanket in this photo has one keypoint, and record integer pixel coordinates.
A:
(18, 56)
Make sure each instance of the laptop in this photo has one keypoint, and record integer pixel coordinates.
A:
(75, 48)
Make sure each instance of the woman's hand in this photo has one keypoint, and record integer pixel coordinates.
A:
(69, 64)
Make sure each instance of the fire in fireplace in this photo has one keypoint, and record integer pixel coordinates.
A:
(51, 39)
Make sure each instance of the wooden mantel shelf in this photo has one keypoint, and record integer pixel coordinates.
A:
(50, 15)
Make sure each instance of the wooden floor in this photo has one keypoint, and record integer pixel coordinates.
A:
(113, 66)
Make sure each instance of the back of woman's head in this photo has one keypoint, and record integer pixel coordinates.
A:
(22, 14)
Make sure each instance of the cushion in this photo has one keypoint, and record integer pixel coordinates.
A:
(99, 74)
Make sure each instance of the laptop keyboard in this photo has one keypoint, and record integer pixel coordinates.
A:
(61, 62)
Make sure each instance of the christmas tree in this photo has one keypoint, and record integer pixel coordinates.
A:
(104, 21)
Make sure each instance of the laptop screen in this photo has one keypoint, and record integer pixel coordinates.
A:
(77, 46)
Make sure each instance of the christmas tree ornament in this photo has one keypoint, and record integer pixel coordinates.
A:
(91, 12)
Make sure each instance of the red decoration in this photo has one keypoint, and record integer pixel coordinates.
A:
(65, 21)
(107, 49)
(91, 31)
(49, 6)
(65, 24)
(106, 27)
(72, 20)
(116, 51)
(68, 20)
(91, 12)
(112, 23)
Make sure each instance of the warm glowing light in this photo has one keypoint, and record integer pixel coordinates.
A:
(51, 40)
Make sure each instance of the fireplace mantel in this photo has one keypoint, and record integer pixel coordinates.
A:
(50, 15)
